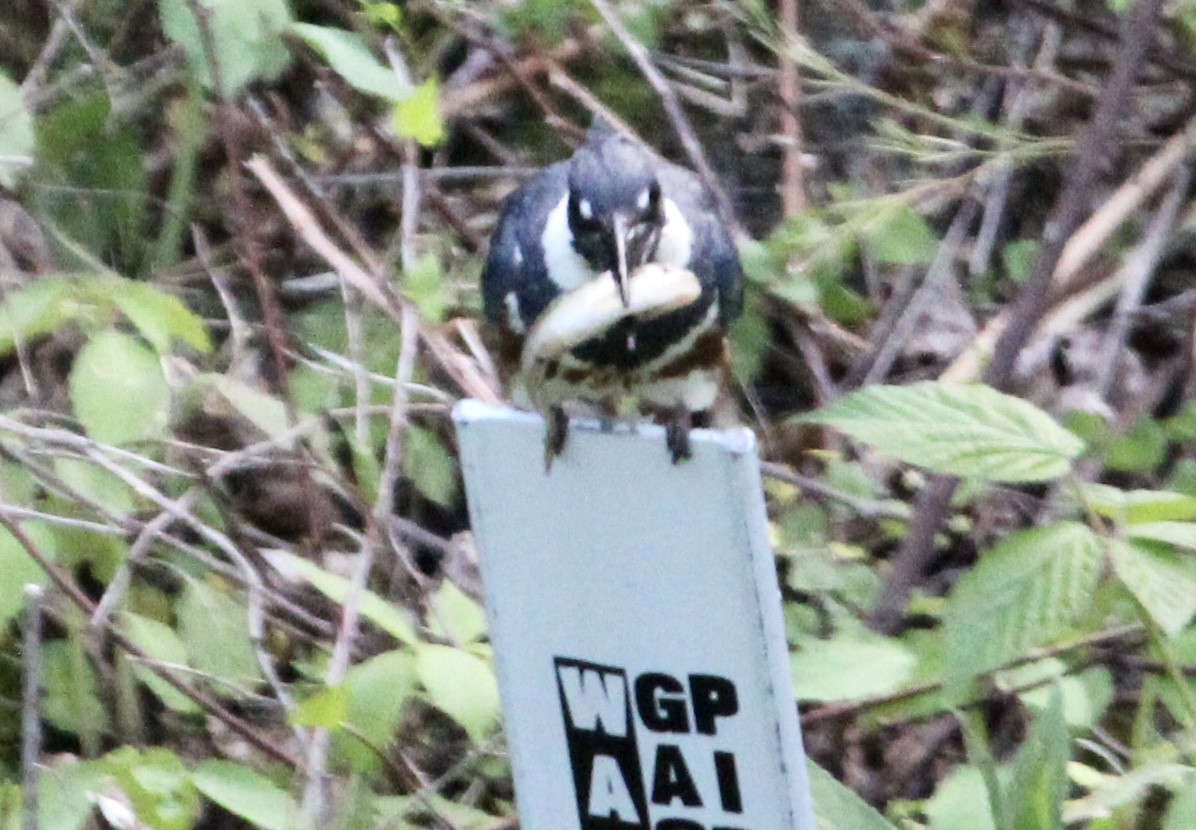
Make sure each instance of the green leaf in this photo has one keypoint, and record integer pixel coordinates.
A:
(850, 667)
(956, 800)
(17, 138)
(1140, 450)
(336, 588)
(327, 708)
(424, 285)
(96, 483)
(1163, 581)
(1023, 593)
(1130, 507)
(418, 115)
(1115, 791)
(966, 430)
(266, 412)
(1018, 257)
(430, 466)
(66, 794)
(36, 309)
(838, 808)
(158, 316)
(901, 236)
(456, 616)
(118, 390)
(1180, 534)
(215, 629)
(247, 794)
(72, 690)
(1181, 814)
(157, 786)
(1040, 773)
(246, 38)
(19, 570)
(461, 685)
(350, 57)
(161, 644)
(378, 691)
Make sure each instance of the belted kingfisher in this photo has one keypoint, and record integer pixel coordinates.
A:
(602, 214)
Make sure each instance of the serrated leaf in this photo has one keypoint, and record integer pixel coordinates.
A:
(1163, 581)
(1180, 534)
(159, 317)
(118, 391)
(246, 37)
(418, 115)
(836, 807)
(247, 794)
(33, 310)
(19, 569)
(1132, 507)
(215, 629)
(461, 685)
(849, 667)
(1023, 593)
(965, 430)
(160, 643)
(1040, 773)
(336, 588)
(350, 57)
(17, 136)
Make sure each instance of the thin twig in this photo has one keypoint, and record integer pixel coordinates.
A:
(1140, 265)
(793, 187)
(202, 699)
(1094, 148)
(31, 708)
(867, 508)
(672, 107)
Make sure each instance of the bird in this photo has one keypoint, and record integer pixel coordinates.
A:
(603, 214)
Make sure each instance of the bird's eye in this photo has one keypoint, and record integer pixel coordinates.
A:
(581, 215)
(649, 202)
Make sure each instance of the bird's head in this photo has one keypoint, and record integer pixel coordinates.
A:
(616, 212)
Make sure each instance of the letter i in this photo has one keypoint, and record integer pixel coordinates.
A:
(728, 782)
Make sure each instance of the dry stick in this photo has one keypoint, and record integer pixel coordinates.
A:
(31, 690)
(793, 188)
(247, 242)
(1140, 264)
(672, 107)
(1088, 240)
(1094, 148)
(461, 370)
(202, 699)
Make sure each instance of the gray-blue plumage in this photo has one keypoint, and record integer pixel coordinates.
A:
(603, 213)
(609, 171)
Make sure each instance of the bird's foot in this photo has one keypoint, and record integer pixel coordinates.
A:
(556, 433)
(677, 434)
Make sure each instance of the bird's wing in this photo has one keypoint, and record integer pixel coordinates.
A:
(515, 264)
(714, 257)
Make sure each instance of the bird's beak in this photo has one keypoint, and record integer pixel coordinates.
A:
(622, 277)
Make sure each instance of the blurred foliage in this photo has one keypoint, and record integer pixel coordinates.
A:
(217, 487)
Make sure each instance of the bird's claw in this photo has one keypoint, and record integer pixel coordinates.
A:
(677, 435)
(556, 433)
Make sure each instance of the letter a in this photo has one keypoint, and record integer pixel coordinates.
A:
(609, 796)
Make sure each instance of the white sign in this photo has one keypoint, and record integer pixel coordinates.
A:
(637, 628)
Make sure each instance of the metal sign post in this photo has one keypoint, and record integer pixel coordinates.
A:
(637, 630)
